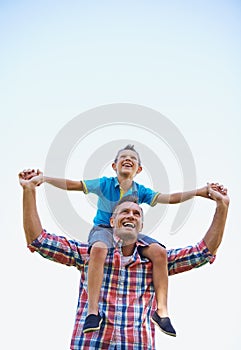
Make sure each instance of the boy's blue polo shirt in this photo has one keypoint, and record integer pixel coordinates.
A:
(108, 191)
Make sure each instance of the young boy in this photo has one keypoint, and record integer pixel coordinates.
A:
(127, 165)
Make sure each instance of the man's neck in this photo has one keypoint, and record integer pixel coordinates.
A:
(128, 249)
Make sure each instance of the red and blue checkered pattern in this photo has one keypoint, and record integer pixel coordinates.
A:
(127, 298)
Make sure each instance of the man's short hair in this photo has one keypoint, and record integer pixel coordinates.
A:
(129, 198)
(131, 148)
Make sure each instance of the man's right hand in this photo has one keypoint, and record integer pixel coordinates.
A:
(30, 178)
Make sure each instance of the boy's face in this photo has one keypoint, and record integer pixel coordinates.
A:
(127, 164)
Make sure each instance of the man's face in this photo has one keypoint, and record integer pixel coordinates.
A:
(127, 221)
(127, 164)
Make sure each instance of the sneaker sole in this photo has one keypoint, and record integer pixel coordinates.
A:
(93, 329)
(162, 330)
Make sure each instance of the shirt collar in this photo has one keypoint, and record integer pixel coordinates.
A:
(116, 184)
(136, 256)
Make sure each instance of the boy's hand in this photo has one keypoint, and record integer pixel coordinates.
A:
(218, 193)
(206, 190)
(29, 174)
(30, 178)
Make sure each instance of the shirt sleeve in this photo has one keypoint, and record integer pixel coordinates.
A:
(60, 249)
(185, 259)
(93, 186)
(147, 195)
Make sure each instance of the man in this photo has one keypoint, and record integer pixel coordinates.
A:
(127, 295)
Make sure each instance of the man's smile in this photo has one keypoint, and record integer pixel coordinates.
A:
(128, 224)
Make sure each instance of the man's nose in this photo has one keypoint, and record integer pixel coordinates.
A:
(130, 214)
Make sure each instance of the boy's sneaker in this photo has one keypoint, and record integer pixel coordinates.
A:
(164, 324)
(92, 323)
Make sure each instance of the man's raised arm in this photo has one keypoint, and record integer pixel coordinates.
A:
(31, 222)
(214, 235)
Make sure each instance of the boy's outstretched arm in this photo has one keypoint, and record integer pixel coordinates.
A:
(64, 184)
(180, 197)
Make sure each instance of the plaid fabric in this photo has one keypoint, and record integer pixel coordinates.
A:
(127, 295)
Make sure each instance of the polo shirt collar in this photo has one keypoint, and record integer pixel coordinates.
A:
(116, 184)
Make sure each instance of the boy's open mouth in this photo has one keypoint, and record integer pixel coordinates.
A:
(127, 164)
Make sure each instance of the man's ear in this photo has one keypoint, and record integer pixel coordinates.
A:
(112, 222)
(114, 166)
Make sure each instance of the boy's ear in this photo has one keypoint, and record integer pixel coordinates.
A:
(139, 169)
(114, 166)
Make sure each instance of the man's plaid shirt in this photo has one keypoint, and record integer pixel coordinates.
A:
(127, 298)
